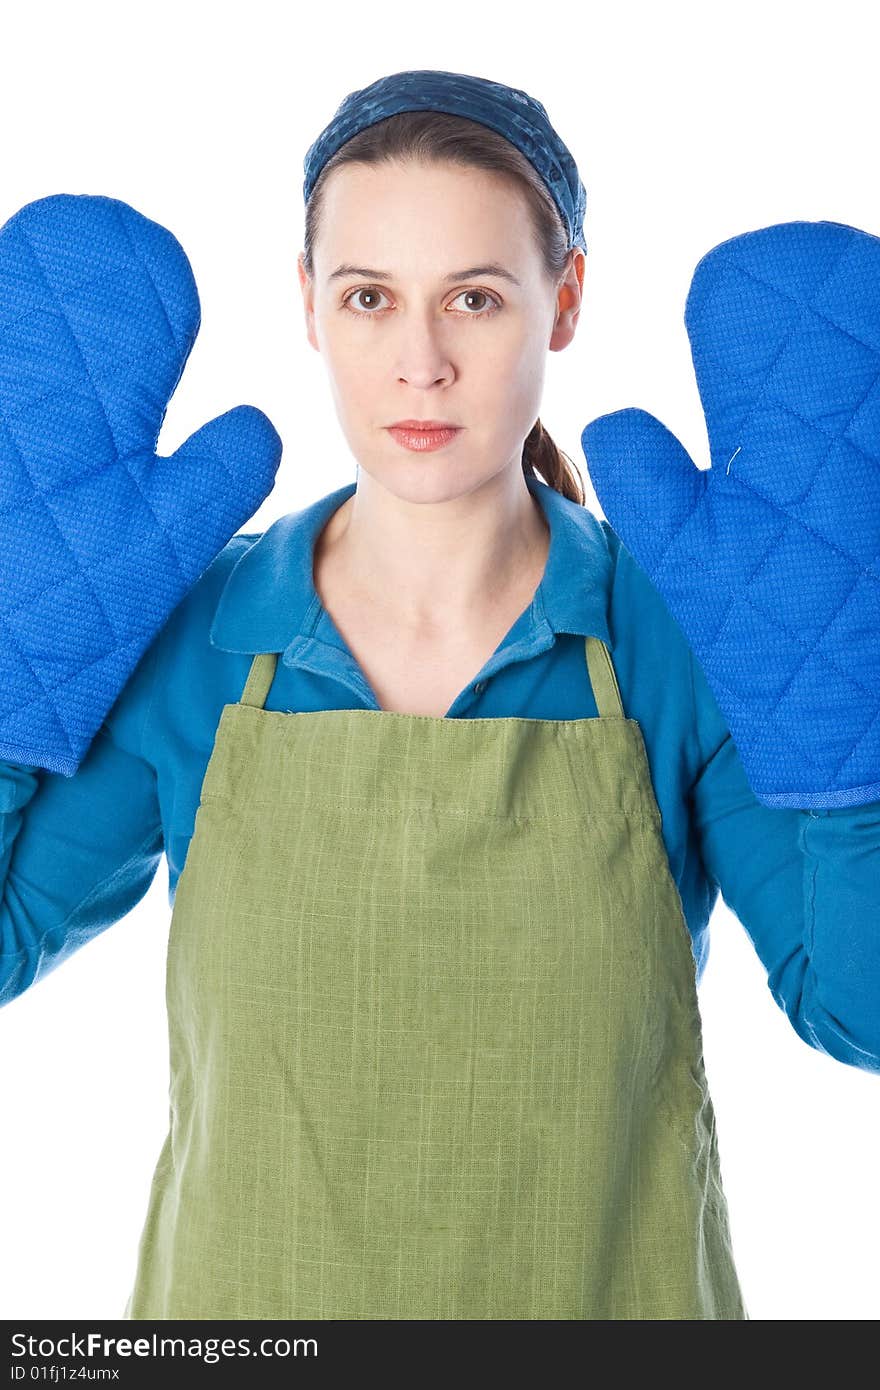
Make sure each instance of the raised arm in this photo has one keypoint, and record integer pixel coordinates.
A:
(806, 887)
(101, 538)
(77, 853)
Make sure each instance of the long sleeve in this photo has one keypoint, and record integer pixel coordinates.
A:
(805, 885)
(77, 853)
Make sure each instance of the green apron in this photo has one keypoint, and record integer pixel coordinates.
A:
(435, 1045)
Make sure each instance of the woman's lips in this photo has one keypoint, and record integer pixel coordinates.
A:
(422, 441)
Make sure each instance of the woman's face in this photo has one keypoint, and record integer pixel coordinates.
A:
(434, 337)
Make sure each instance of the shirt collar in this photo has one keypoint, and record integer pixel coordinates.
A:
(269, 599)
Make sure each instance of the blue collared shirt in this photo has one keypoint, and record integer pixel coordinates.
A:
(78, 853)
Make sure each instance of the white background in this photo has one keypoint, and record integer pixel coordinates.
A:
(690, 123)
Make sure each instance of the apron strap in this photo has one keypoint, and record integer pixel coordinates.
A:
(603, 679)
(599, 665)
(260, 678)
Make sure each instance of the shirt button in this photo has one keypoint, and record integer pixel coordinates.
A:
(480, 685)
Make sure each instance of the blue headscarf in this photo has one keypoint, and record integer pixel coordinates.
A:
(512, 113)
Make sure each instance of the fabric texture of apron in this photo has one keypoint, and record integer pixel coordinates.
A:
(435, 1044)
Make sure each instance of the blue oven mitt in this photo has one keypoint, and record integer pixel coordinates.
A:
(100, 538)
(769, 560)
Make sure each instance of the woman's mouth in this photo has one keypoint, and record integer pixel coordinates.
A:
(422, 440)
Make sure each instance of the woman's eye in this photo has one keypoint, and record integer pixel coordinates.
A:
(354, 293)
(367, 311)
(480, 294)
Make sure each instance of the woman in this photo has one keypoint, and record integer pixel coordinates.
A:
(434, 1034)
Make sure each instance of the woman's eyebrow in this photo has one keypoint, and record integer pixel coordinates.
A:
(471, 272)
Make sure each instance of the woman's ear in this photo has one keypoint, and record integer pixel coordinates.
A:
(568, 301)
(307, 287)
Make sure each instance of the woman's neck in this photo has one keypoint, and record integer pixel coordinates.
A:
(435, 567)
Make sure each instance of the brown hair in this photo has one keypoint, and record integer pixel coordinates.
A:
(440, 137)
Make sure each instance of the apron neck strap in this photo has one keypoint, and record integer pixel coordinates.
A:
(603, 679)
(262, 673)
